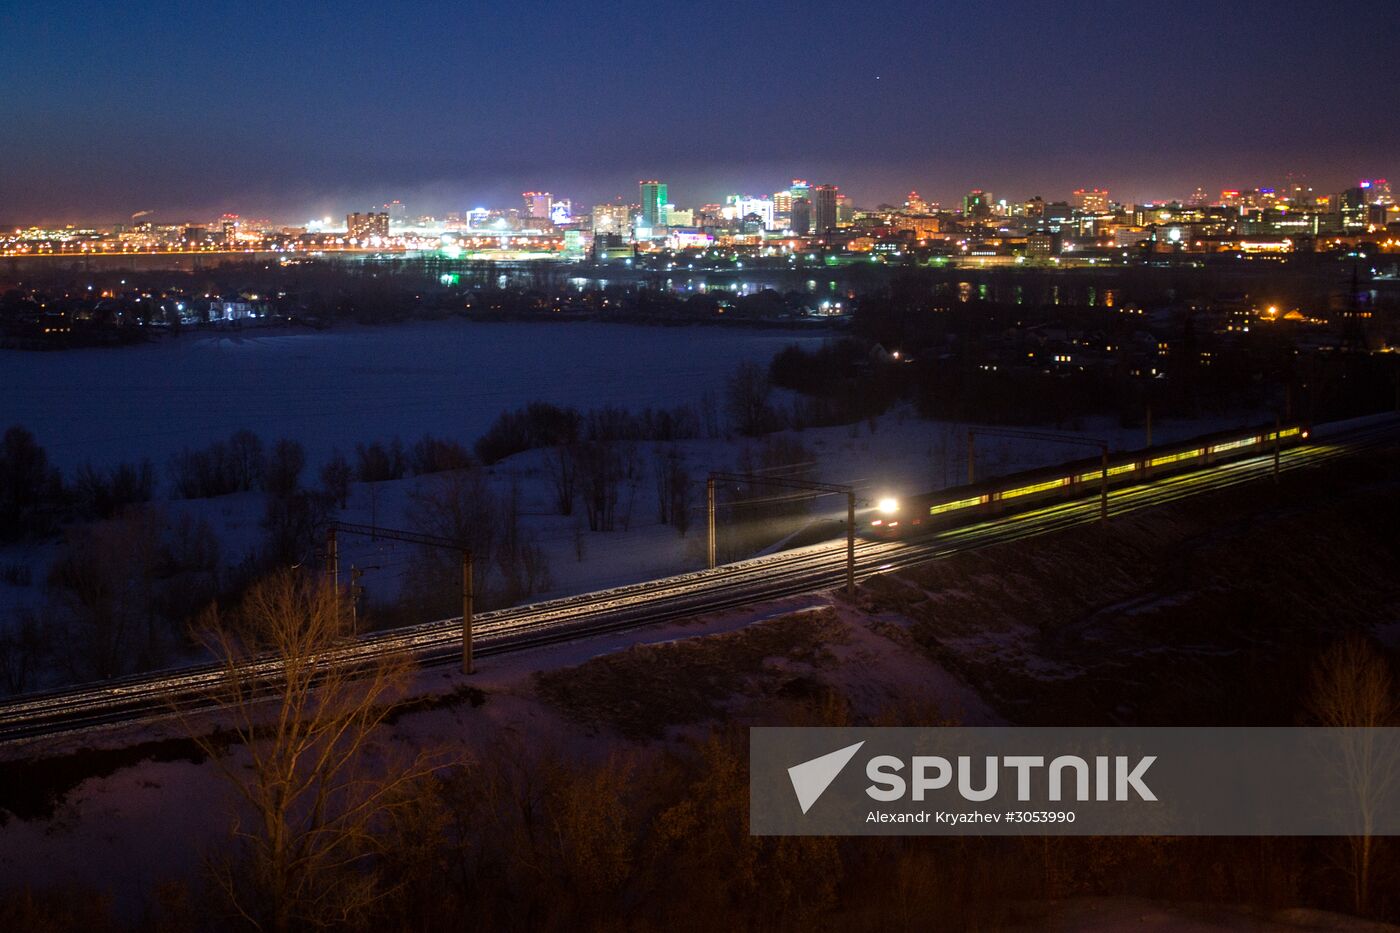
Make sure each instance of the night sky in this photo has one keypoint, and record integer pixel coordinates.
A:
(293, 110)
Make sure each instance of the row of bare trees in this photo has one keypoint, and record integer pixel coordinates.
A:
(340, 824)
(35, 500)
(509, 565)
(122, 592)
(338, 820)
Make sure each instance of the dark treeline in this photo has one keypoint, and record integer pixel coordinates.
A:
(35, 500)
(129, 578)
(959, 354)
(54, 308)
(110, 305)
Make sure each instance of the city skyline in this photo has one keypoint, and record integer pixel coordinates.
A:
(408, 211)
(317, 113)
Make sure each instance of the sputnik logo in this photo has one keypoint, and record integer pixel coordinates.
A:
(811, 778)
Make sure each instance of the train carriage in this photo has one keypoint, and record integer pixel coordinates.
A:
(899, 517)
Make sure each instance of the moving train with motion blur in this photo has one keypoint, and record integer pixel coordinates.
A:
(1019, 492)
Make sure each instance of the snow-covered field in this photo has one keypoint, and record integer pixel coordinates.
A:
(902, 454)
(358, 384)
(452, 379)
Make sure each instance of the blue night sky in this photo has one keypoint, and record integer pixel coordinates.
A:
(294, 110)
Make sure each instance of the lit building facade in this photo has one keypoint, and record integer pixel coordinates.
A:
(537, 204)
(363, 226)
(824, 216)
(1091, 200)
(654, 200)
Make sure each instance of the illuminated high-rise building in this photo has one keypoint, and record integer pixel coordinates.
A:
(977, 204)
(1359, 208)
(1377, 191)
(1091, 200)
(615, 219)
(915, 204)
(782, 209)
(537, 204)
(824, 208)
(363, 226)
(845, 210)
(801, 216)
(675, 217)
(654, 201)
(737, 207)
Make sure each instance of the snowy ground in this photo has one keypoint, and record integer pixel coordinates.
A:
(453, 378)
(903, 454)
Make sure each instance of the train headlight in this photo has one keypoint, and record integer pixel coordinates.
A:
(887, 506)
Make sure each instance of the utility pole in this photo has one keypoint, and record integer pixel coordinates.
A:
(356, 591)
(851, 544)
(710, 517)
(332, 557)
(1103, 484)
(333, 564)
(468, 664)
(413, 537)
(1149, 424)
(1277, 428)
(971, 473)
(787, 483)
(373, 509)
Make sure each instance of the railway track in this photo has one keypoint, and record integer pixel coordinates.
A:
(32, 718)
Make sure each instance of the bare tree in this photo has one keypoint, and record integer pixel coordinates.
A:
(310, 795)
(102, 592)
(672, 489)
(246, 458)
(282, 477)
(746, 400)
(709, 415)
(524, 570)
(27, 484)
(600, 473)
(661, 472)
(562, 465)
(23, 648)
(458, 506)
(335, 478)
(293, 525)
(1352, 687)
(100, 494)
(680, 502)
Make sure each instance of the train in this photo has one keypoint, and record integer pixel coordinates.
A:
(898, 517)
